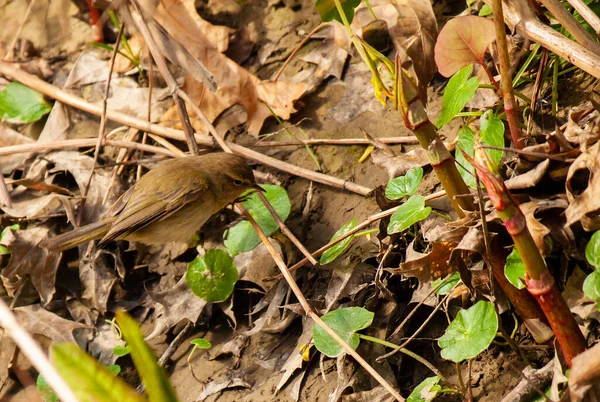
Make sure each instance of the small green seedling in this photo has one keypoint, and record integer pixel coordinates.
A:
(212, 276)
(242, 237)
(199, 343)
(345, 322)
(20, 104)
(426, 391)
(514, 269)
(471, 332)
(409, 213)
(404, 185)
(336, 250)
(591, 285)
(458, 93)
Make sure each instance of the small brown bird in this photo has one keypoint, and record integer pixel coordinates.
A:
(168, 204)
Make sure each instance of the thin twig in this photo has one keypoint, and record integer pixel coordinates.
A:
(100, 140)
(35, 354)
(297, 49)
(149, 116)
(587, 14)
(310, 312)
(13, 72)
(285, 230)
(161, 63)
(11, 48)
(367, 222)
(410, 139)
(80, 143)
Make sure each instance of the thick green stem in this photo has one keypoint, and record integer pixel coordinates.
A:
(540, 282)
(417, 120)
(507, 88)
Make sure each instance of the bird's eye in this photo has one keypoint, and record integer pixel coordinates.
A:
(237, 182)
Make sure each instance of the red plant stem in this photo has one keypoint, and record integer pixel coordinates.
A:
(96, 23)
(539, 281)
(506, 81)
(556, 310)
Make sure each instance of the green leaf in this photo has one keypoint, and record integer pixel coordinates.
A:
(426, 391)
(514, 269)
(409, 213)
(242, 237)
(201, 343)
(451, 281)
(470, 333)
(492, 133)
(20, 104)
(591, 287)
(212, 276)
(404, 185)
(328, 11)
(121, 350)
(592, 250)
(89, 380)
(153, 376)
(46, 393)
(344, 322)
(335, 251)
(115, 369)
(485, 10)
(457, 94)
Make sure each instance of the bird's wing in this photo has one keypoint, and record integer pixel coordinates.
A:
(151, 201)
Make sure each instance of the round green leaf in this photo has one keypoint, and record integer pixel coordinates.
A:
(426, 391)
(404, 185)
(20, 104)
(492, 133)
(514, 269)
(592, 250)
(335, 251)
(115, 369)
(328, 11)
(449, 284)
(201, 343)
(458, 93)
(212, 276)
(345, 322)
(591, 287)
(242, 237)
(470, 333)
(121, 350)
(409, 213)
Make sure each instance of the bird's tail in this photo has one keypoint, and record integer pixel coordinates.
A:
(65, 241)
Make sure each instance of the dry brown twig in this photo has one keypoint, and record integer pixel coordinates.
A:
(12, 72)
(311, 313)
(409, 139)
(161, 63)
(35, 354)
(100, 139)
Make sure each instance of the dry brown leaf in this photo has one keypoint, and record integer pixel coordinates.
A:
(235, 84)
(529, 179)
(536, 228)
(217, 386)
(9, 137)
(27, 259)
(175, 305)
(584, 384)
(584, 205)
(413, 28)
(97, 277)
(398, 165)
(426, 266)
(39, 321)
(294, 361)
